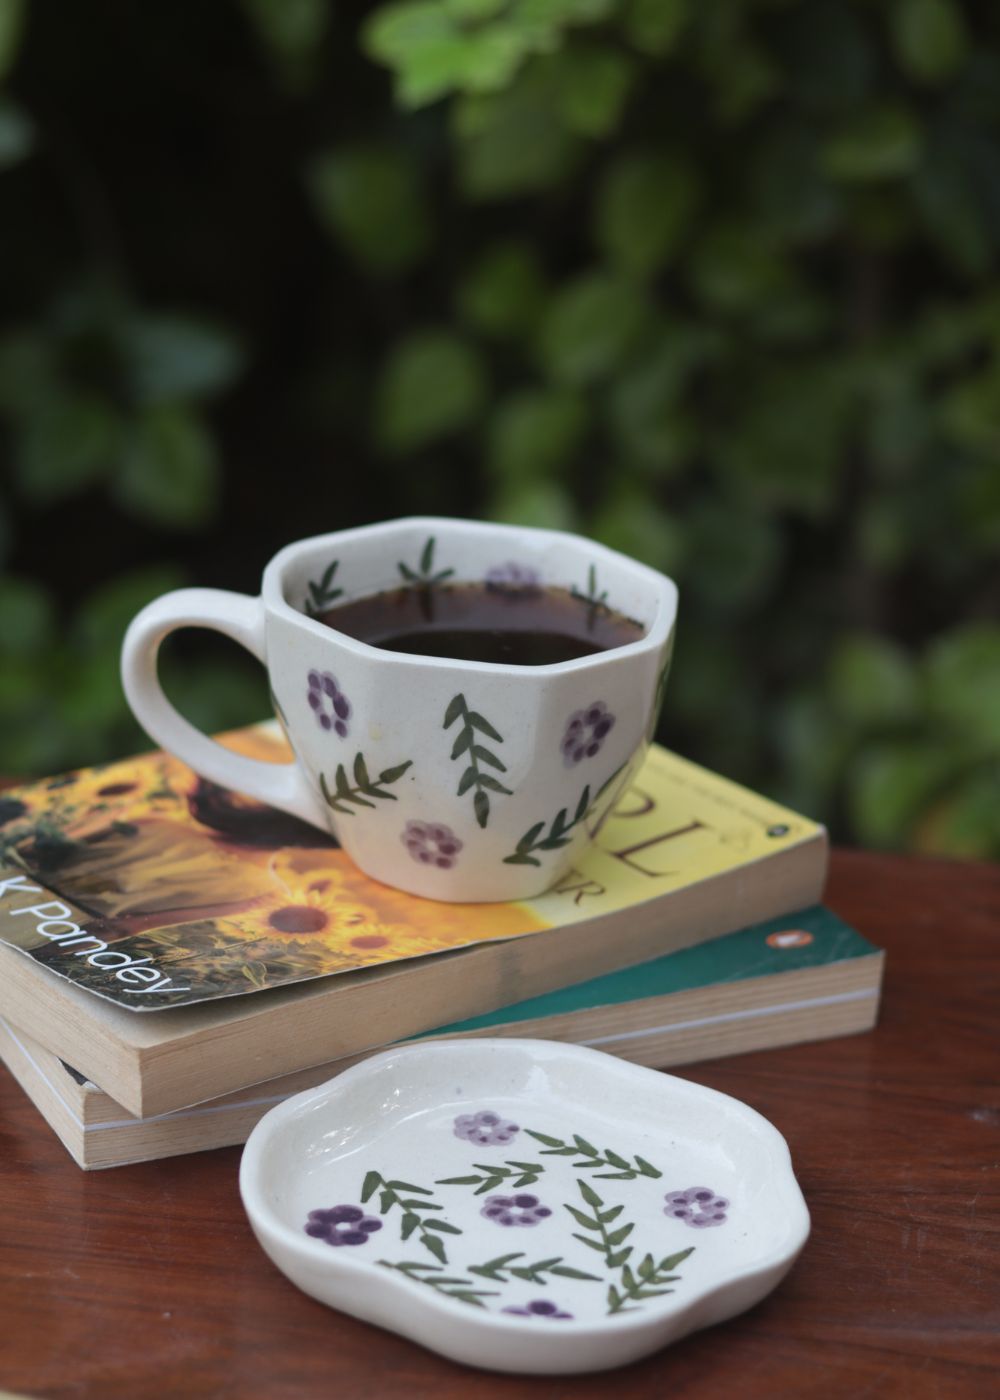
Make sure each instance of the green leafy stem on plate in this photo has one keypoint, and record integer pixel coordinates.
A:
(474, 724)
(592, 1157)
(462, 1289)
(525, 1174)
(559, 828)
(400, 1194)
(532, 1273)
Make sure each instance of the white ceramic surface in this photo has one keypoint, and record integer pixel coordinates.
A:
(451, 779)
(523, 1205)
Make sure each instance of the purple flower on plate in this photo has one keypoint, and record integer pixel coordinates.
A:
(485, 1128)
(514, 581)
(541, 1307)
(342, 1225)
(698, 1206)
(522, 1209)
(431, 843)
(328, 702)
(586, 731)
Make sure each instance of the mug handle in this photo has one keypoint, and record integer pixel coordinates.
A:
(281, 785)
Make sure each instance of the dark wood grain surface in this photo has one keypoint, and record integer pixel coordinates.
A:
(145, 1281)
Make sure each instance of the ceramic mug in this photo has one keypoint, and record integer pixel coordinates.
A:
(456, 780)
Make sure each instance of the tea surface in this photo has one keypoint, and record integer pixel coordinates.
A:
(506, 624)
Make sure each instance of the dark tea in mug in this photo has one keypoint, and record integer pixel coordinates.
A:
(512, 623)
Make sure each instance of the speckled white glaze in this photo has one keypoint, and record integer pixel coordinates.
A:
(610, 1253)
(450, 779)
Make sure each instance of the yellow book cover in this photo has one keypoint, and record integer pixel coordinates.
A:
(149, 886)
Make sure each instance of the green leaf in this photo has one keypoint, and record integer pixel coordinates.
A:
(466, 781)
(654, 26)
(68, 445)
(619, 1235)
(644, 208)
(587, 1221)
(541, 1137)
(589, 1194)
(478, 721)
(484, 756)
(442, 1225)
(463, 742)
(564, 1271)
(583, 1145)
(427, 556)
(456, 707)
(385, 1201)
(174, 357)
(370, 198)
(502, 293)
(878, 143)
(890, 783)
(486, 780)
(588, 328)
(672, 1260)
(616, 1161)
(646, 1168)
(27, 618)
(293, 31)
(169, 473)
(481, 807)
(534, 433)
(361, 772)
(458, 1180)
(392, 775)
(513, 143)
(615, 1261)
(409, 1186)
(591, 1244)
(432, 386)
(929, 38)
(591, 85)
(735, 269)
(408, 1224)
(871, 680)
(962, 682)
(613, 1212)
(435, 1246)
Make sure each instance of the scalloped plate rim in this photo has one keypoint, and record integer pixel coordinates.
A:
(636, 1334)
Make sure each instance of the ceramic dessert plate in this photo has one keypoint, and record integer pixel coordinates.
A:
(524, 1205)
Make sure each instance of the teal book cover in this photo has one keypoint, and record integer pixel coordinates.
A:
(811, 939)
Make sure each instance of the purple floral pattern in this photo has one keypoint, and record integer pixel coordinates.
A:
(342, 1225)
(522, 1209)
(485, 1128)
(514, 581)
(585, 733)
(540, 1307)
(328, 702)
(698, 1207)
(431, 843)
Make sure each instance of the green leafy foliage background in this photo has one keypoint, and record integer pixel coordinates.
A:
(716, 284)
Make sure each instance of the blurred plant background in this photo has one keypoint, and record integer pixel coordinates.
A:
(717, 283)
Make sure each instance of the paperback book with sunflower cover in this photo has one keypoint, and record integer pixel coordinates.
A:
(153, 888)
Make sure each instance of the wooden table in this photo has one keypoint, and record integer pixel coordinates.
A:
(145, 1281)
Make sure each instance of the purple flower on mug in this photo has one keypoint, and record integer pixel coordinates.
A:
(342, 1225)
(431, 843)
(586, 731)
(522, 1209)
(514, 581)
(541, 1307)
(698, 1207)
(485, 1128)
(328, 702)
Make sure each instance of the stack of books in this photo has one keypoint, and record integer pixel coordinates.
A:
(175, 959)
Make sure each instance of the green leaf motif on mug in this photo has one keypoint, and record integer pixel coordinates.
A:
(468, 742)
(363, 788)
